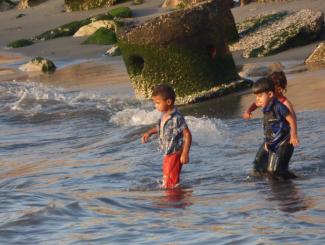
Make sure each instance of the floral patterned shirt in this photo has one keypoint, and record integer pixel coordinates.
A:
(171, 133)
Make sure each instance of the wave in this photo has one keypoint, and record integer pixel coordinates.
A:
(206, 131)
(32, 99)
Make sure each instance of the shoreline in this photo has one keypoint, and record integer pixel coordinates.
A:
(74, 60)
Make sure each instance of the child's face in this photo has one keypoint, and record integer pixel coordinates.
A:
(263, 99)
(278, 90)
(161, 104)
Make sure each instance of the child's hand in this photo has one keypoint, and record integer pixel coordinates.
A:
(145, 137)
(184, 158)
(247, 115)
(265, 148)
(294, 140)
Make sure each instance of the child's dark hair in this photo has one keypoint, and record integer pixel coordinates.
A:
(263, 85)
(279, 79)
(165, 91)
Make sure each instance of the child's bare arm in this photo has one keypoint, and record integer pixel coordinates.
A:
(288, 104)
(294, 140)
(145, 137)
(186, 146)
(248, 113)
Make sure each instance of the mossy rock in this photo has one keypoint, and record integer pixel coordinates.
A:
(64, 30)
(102, 36)
(39, 64)
(78, 5)
(186, 70)
(71, 28)
(254, 23)
(121, 12)
(20, 43)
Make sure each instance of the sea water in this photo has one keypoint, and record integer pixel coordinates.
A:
(73, 171)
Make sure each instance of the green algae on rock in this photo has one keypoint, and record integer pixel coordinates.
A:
(217, 91)
(71, 28)
(20, 43)
(39, 64)
(102, 36)
(182, 48)
(121, 12)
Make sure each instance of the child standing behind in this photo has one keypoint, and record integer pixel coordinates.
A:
(280, 129)
(280, 83)
(174, 135)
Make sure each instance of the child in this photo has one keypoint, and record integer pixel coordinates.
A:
(174, 136)
(280, 82)
(280, 130)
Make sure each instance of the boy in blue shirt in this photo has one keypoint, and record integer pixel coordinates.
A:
(280, 130)
(174, 135)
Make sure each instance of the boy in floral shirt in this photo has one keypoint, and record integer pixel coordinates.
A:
(174, 135)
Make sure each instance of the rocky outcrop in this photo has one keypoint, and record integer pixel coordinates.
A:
(223, 12)
(24, 4)
(260, 70)
(77, 5)
(184, 48)
(6, 5)
(292, 30)
(318, 56)
(91, 28)
(39, 64)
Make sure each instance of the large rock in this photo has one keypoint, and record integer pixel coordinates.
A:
(223, 12)
(318, 56)
(6, 5)
(77, 5)
(91, 28)
(293, 30)
(184, 48)
(39, 64)
(24, 4)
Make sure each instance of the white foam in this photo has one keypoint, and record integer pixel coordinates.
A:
(205, 131)
(135, 117)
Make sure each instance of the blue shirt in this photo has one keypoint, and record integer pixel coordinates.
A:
(170, 135)
(276, 127)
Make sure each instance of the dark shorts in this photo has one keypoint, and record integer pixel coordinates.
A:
(275, 163)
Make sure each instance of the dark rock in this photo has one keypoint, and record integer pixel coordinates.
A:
(39, 64)
(6, 5)
(223, 12)
(184, 48)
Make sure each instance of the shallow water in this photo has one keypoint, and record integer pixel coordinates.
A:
(73, 171)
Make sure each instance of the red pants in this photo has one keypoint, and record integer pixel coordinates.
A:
(171, 170)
